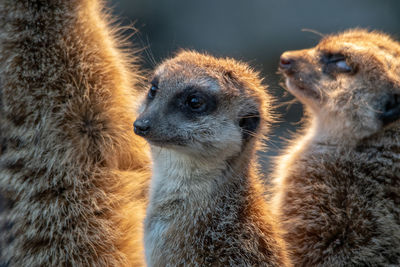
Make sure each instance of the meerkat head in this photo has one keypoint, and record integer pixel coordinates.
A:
(203, 106)
(349, 81)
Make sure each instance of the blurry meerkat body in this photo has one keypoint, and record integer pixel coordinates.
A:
(337, 189)
(70, 165)
(204, 119)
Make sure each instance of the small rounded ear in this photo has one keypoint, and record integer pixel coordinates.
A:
(249, 124)
(391, 109)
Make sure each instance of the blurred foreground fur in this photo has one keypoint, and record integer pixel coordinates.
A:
(73, 170)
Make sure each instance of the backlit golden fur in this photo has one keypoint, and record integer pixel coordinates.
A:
(72, 167)
(337, 186)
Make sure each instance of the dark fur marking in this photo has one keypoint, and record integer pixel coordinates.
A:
(178, 103)
(5, 225)
(48, 195)
(12, 164)
(391, 109)
(3, 145)
(1, 96)
(30, 175)
(330, 67)
(36, 244)
(249, 124)
(16, 119)
(15, 143)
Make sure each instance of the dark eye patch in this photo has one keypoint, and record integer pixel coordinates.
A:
(332, 58)
(193, 102)
(335, 63)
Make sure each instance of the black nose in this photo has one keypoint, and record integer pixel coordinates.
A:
(141, 127)
(286, 63)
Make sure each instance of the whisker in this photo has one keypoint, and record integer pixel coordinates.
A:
(147, 50)
(151, 54)
(252, 116)
(249, 133)
(313, 31)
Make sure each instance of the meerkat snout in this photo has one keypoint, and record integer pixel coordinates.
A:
(286, 63)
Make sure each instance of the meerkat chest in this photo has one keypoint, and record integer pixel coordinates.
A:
(172, 230)
(176, 204)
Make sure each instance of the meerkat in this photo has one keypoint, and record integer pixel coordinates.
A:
(337, 187)
(72, 168)
(204, 119)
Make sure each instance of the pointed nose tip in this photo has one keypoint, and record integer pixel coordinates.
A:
(287, 63)
(141, 127)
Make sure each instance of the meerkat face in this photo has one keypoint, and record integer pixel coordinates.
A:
(197, 110)
(350, 81)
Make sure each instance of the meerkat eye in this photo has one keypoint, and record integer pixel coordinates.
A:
(152, 92)
(343, 66)
(336, 63)
(196, 103)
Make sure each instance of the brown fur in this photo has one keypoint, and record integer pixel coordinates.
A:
(337, 188)
(72, 166)
(207, 206)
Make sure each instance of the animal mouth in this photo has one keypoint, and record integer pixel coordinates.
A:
(296, 87)
(166, 142)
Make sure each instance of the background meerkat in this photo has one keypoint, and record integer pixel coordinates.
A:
(338, 185)
(204, 119)
(72, 167)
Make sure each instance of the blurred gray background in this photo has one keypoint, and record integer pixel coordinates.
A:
(256, 31)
